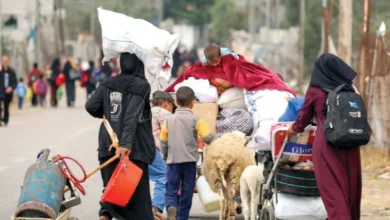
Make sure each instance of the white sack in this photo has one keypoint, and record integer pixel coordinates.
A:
(204, 91)
(232, 98)
(290, 207)
(266, 107)
(150, 44)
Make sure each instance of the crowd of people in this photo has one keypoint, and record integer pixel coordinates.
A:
(48, 83)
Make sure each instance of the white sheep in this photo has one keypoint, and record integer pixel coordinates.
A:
(250, 182)
(224, 161)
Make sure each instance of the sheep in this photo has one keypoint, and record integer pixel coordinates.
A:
(224, 161)
(250, 182)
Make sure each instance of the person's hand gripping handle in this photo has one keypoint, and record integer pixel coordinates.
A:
(120, 151)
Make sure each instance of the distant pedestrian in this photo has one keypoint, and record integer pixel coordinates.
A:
(71, 74)
(91, 83)
(42, 87)
(54, 73)
(8, 83)
(33, 75)
(21, 92)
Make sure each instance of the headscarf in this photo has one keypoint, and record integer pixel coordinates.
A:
(330, 72)
(132, 79)
(106, 69)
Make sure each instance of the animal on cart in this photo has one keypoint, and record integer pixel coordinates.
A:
(250, 186)
(225, 160)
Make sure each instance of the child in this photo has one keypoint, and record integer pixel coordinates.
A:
(41, 86)
(213, 53)
(163, 106)
(21, 92)
(180, 150)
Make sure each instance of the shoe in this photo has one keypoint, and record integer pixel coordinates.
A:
(157, 213)
(172, 213)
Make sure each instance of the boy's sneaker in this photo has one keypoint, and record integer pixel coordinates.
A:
(172, 213)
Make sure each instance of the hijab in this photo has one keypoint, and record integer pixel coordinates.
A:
(330, 72)
(132, 79)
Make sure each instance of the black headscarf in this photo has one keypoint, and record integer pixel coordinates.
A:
(106, 68)
(132, 79)
(330, 72)
(55, 66)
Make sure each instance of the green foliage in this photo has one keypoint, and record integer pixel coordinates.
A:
(379, 12)
(224, 17)
(195, 12)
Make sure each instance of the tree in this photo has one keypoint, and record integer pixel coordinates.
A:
(224, 17)
(195, 12)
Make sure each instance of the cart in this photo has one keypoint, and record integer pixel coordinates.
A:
(63, 216)
(273, 173)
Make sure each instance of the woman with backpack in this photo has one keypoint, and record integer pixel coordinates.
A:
(336, 156)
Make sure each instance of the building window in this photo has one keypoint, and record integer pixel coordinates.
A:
(10, 22)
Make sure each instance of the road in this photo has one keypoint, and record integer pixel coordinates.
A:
(71, 132)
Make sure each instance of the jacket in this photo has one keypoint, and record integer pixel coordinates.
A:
(7, 76)
(129, 114)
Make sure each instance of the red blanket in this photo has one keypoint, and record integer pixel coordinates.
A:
(239, 72)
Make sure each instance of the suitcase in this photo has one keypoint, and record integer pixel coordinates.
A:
(298, 149)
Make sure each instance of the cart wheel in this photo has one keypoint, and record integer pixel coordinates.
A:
(268, 213)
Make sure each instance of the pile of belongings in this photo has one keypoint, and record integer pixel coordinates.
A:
(233, 114)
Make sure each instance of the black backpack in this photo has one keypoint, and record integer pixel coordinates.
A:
(346, 125)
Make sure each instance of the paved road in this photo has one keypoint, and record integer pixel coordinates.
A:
(70, 132)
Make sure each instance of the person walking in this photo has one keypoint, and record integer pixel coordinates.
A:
(91, 83)
(41, 85)
(337, 170)
(33, 75)
(54, 73)
(8, 83)
(124, 101)
(179, 146)
(21, 92)
(71, 75)
(163, 106)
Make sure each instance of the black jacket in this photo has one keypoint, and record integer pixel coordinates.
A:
(123, 99)
(12, 82)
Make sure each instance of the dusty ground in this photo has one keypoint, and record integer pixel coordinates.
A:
(376, 192)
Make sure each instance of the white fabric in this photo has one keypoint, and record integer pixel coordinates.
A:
(150, 44)
(232, 98)
(290, 207)
(209, 199)
(204, 91)
(266, 106)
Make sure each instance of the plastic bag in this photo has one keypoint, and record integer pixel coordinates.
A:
(29, 93)
(293, 108)
(290, 207)
(266, 107)
(150, 44)
(232, 98)
(205, 92)
(59, 93)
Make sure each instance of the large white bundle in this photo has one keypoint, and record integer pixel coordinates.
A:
(150, 44)
(290, 207)
(204, 91)
(232, 98)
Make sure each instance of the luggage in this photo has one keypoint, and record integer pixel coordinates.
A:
(231, 119)
(346, 125)
(298, 149)
(232, 98)
(153, 46)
